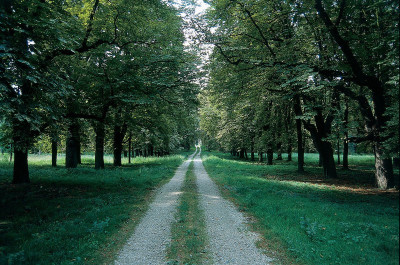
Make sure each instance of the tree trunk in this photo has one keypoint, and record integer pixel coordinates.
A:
(11, 152)
(54, 153)
(241, 154)
(300, 149)
(383, 169)
(338, 151)
(78, 150)
(245, 154)
(21, 171)
(260, 157)
(279, 147)
(99, 151)
(345, 164)
(270, 156)
(299, 132)
(151, 150)
(328, 163)
(119, 133)
(71, 153)
(129, 148)
(289, 152)
(396, 162)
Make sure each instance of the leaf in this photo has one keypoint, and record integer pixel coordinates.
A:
(26, 63)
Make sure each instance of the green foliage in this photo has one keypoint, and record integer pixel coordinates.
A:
(315, 223)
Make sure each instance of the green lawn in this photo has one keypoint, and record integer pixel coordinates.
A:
(309, 220)
(78, 216)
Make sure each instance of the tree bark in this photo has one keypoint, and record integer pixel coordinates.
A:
(345, 164)
(78, 150)
(328, 163)
(325, 151)
(129, 147)
(279, 147)
(71, 153)
(270, 156)
(289, 152)
(338, 151)
(260, 157)
(396, 162)
(54, 152)
(241, 154)
(99, 150)
(383, 169)
(21, 171)
(11, 152)
(151, 150)
(320, 159)
(119, 134)
(299, 132)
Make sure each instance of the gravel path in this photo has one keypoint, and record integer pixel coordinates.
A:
(230, 241)
(153, 234)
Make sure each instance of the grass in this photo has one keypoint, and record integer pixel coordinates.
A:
(189, 236)
(314, 221)
(78, 216)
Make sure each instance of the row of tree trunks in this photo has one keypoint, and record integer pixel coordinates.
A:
(374, 114)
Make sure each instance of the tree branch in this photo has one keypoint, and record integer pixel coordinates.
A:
(265, 41)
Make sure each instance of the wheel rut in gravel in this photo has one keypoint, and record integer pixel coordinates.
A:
(153, 234)
(230, 240)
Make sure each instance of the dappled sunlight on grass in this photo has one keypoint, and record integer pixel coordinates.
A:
(317, 220)
(74, 216)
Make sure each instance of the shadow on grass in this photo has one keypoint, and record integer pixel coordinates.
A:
(359, 178)
(75, 216)
(312, 219)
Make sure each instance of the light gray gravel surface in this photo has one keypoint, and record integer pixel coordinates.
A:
(153, 234)
(230, 241)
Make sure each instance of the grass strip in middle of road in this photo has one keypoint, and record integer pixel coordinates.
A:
(189, 236)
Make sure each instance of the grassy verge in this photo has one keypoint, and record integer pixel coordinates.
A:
(312, 222)
(79, 216)
(188, 233)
